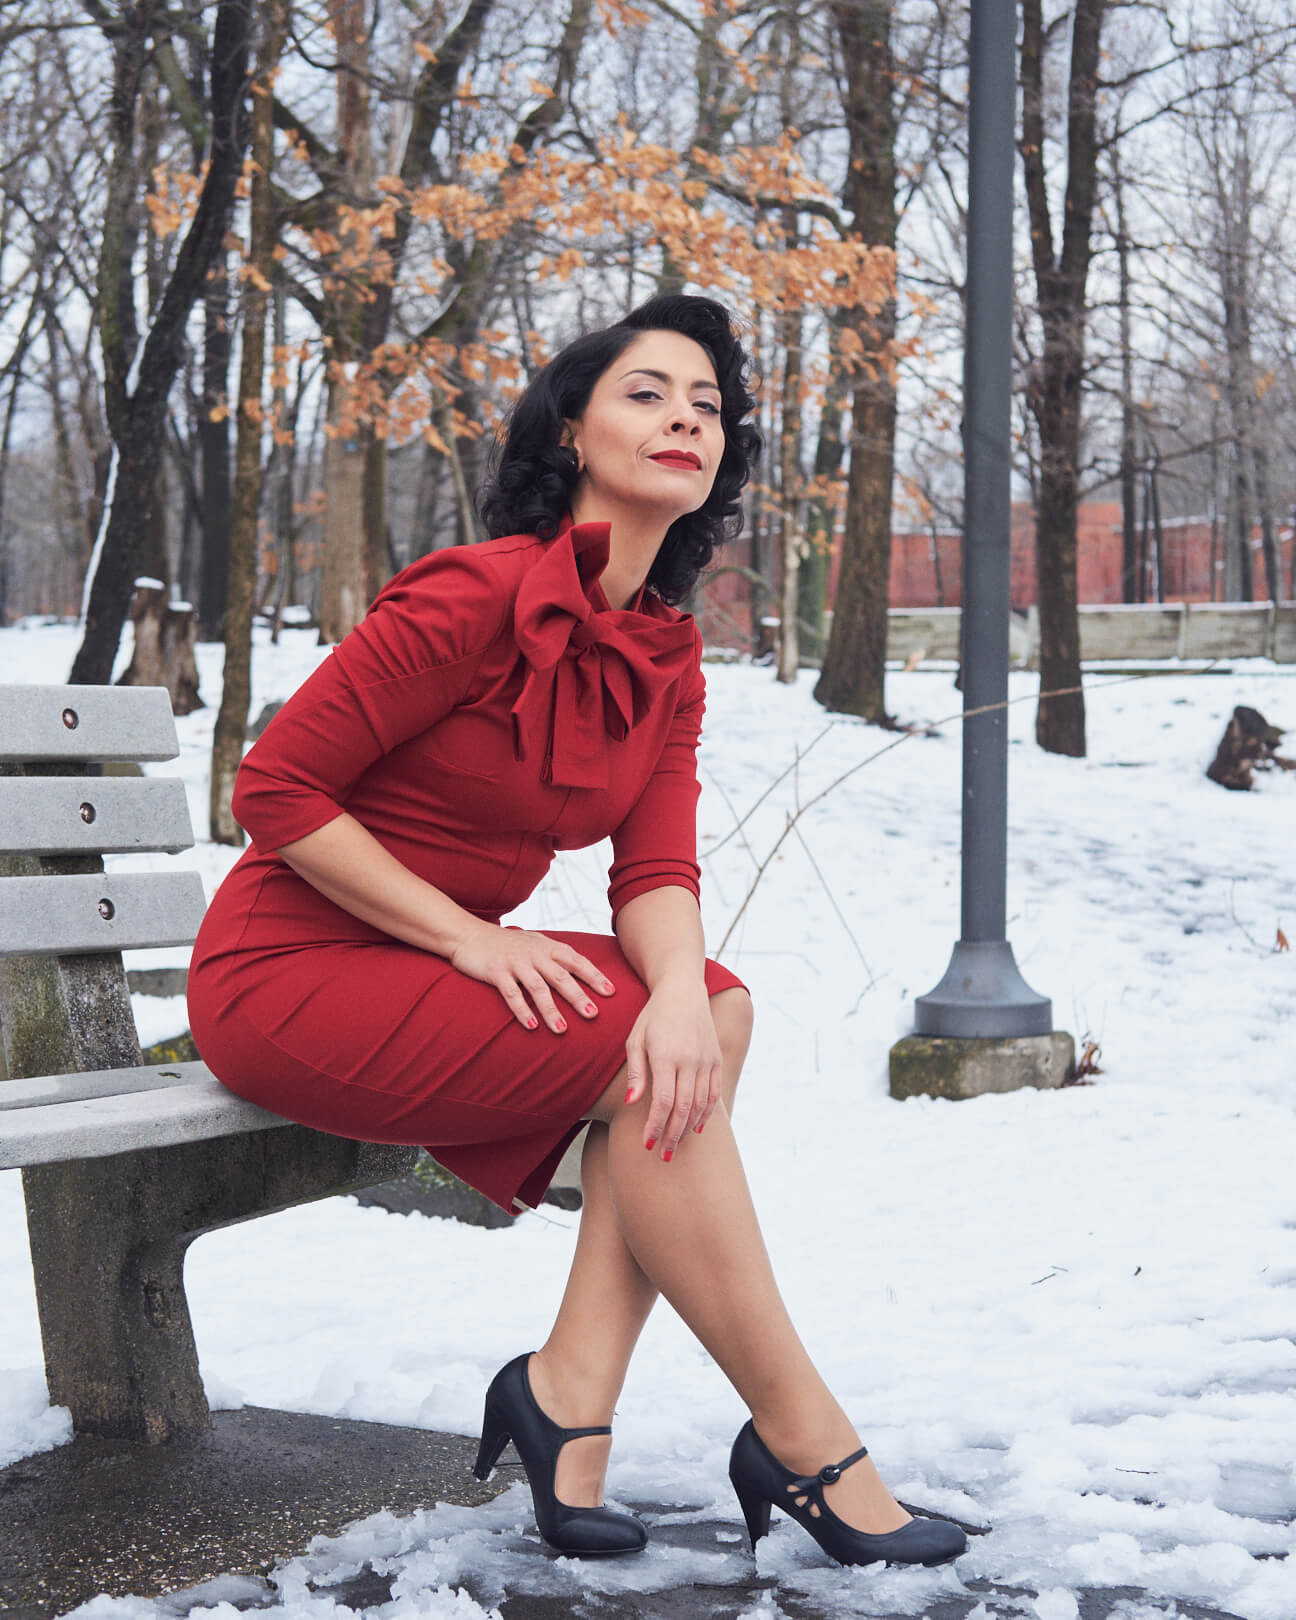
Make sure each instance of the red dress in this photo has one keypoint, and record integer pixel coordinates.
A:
(491, 709)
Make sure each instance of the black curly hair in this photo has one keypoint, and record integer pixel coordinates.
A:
(531, 476)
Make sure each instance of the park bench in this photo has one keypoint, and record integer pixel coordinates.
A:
(123, 1163)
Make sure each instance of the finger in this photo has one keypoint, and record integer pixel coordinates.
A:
(572, 990)
(663, 1101)
(534, 985)
(636, 1067)
(518, 1004)
(701, 1099)
(716, 1093)
(678, 1118)
(583, 968)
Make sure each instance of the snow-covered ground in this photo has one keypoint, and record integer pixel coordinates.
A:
(1069, 1316)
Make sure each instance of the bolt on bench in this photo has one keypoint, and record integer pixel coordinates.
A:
(123, 1164)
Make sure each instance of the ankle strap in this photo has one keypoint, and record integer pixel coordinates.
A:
(576, 1434)
(831, 1472)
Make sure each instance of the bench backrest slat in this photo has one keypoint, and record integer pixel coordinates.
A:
(71, 916)
(86, 722)
(73, 815)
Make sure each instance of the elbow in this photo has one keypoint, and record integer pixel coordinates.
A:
(240, 808)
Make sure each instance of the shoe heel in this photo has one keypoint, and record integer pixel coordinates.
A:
(756, 1511)
(495, 1437)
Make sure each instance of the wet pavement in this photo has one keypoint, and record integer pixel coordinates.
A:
(209, 1522)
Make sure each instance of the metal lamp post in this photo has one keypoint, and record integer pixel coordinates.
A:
(983, 992)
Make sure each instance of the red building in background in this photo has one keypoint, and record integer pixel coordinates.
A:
(927, 569)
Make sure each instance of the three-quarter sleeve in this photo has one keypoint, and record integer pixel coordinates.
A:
(404, 667)
(655, 847)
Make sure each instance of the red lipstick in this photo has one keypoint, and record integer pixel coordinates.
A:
(679, 458)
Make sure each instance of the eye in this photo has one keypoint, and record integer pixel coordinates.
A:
(707, 405)
(645, 393)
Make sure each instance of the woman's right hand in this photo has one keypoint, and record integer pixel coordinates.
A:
(527, 969)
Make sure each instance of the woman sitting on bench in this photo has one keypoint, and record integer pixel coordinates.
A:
(502, 701)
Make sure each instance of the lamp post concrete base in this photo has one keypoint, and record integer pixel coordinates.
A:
(956, 1066)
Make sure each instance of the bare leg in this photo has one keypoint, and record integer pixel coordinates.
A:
(692, 1229)
(578, 1373)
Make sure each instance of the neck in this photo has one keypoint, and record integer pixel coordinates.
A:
(634, 540)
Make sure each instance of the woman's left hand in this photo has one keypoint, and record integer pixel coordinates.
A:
(674, 1047)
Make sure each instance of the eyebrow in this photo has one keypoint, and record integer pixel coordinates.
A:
(664, 376)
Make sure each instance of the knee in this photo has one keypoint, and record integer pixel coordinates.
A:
(732, 1011)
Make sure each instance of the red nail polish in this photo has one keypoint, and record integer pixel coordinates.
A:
(668, 1155)
(699, 1129)
(630, 1094)
(651, 1143)
(590, 1008)
(560, 1025)
(532, 1023)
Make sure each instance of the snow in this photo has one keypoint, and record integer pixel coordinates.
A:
(1069, 1316)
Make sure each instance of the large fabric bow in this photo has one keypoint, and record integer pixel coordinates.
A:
(591, 675)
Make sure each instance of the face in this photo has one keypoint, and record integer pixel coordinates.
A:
(651, 436)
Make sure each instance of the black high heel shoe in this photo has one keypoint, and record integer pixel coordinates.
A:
(512, 1413)
(761, 1481)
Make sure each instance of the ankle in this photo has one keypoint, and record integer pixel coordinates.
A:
(573, 1396)
(805, 1443)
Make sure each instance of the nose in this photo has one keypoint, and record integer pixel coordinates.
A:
(687, 421)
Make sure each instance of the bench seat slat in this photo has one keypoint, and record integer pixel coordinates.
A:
(97, 1127)
(61, 915)
(47, 815)
(112, 723)
(36, 1091)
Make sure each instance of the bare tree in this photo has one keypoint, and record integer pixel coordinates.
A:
(140, 369)
(854, 668)
(236, 689)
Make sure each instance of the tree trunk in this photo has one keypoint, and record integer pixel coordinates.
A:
(853, 677)
(1060, 281)
(719, 100)
(137, 419)
(1129, 421)
(214, 442)
(821, 509)
(236, 691)
(344, 593)
(348, 585)
(790, 323)
(283, 461)
(1239, 585)
(1158, 533)
(15, 388)
(1268, 530)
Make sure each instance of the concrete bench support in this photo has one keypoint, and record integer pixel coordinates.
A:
(109, 1233)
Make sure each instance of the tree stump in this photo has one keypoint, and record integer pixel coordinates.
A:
(180, 661)
(1249, 744)
(148, 606)
(164, 646)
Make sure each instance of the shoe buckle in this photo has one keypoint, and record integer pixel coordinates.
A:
(830, 1473)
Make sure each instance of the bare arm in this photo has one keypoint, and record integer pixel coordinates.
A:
(673, 1045)
(661, 934)
(348, 865)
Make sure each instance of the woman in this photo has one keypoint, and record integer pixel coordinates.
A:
(501, 701)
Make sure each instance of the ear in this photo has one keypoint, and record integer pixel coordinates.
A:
(567, 439)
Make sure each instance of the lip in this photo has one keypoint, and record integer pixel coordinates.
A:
(679, 458)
